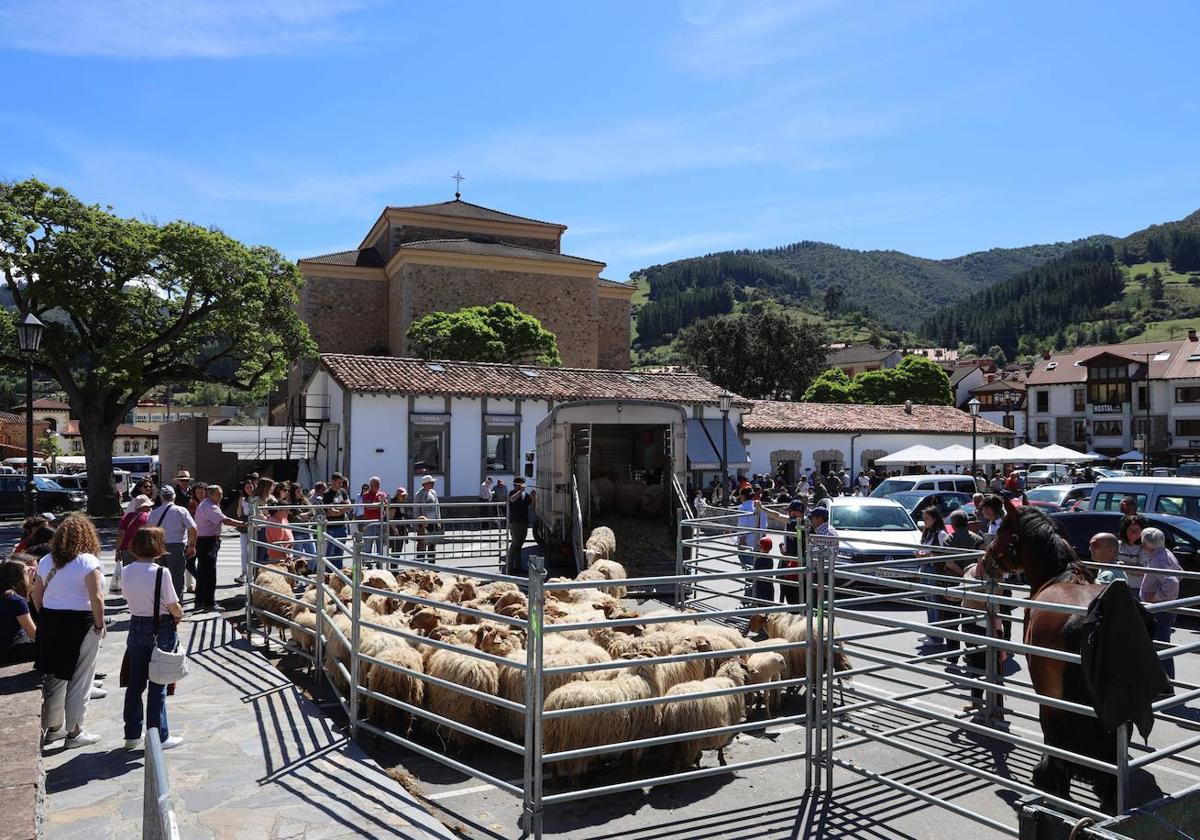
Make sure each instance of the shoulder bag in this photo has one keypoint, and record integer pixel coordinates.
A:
(166, 666)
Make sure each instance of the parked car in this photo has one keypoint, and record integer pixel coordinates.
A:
(873, 530)
(926, 483)
(1188, 469)
(1056, 497)
(51, 496)
(1175, 496)
(915, 502)
(1182, 533)
(1036, 478)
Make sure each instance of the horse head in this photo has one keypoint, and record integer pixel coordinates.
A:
(1030, 542)
(1004, 555)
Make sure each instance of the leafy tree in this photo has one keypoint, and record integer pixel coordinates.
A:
(131, 306)
(997, 354)
(877, 387)
(769, 357)
(833, 298)
(921, 380)
(1155, 287)
(497, 333)
(1185, 252)
(832, 386)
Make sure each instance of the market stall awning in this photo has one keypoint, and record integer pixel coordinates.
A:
(993, 454)
(1131, 455)
(704, 445)
(1063, 455)
(916, 454)
(956, 453)
(1025, 453)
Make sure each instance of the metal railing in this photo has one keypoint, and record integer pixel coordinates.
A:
(158, 818)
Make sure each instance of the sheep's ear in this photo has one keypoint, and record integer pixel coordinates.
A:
(479, 634)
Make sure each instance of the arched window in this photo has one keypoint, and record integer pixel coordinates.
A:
(51, 422)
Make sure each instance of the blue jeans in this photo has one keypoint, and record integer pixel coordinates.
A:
(1164, 624)
(370, 533)
(332, 552)
(139, 645)
(309, 549)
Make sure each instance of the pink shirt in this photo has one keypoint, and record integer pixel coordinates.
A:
(209, 519)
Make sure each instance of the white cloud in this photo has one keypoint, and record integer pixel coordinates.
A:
(173, 28)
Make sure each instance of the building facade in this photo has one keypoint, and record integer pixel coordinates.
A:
(129, 440)
(443, 257)
(1002, 401)
(1107, 397)
(861, 358)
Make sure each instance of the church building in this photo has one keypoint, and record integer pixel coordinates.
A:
(442, 257)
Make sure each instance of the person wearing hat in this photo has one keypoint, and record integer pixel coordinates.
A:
(132, 522)
(183, 481)
(425, 506)
(179, 534)
(520, 510)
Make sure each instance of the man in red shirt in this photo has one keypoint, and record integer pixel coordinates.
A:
(372, 509)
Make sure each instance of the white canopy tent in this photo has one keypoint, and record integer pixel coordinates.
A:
(916, 454)
(1062, 455)
(994, 454)
(955, 453)
(1025, 453)
(1131, 455)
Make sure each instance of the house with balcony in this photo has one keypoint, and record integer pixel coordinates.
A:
(1002, 401)
(1104, 398)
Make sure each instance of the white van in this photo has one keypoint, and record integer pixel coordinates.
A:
(1177, 496)
(927, 483)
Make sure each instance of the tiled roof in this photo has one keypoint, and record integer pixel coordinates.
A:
(44, 404)
(9, 417)
(493, 249)
(998, 386)
(774, 416)
(857, 355)
(389, 375)
(616, 284)
(123, 430)
(466, 210)
(1172, 361)
(365, 258)
(960, 372)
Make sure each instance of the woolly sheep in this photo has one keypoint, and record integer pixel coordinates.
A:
(399, 684)
(605, 570)
(470, 672)
(793, 628)
(765, 667)
(557, 653)
(684, 715)
(278, 590)
(601, 545)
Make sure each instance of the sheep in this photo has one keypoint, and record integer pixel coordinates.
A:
(493, 590)
(470, 672)
(398, 684)
(601, 545)
(683, 715)
(382, 604)
(605, 570)
(378, 579)
(305, 620)
(765, 667)
(277, 590)
(638, 682)
(793, 628)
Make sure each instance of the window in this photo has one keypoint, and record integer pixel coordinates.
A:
(1043, 401)
(137, 446)
(1188, 428)
(1010, 422)
(1141, 396)
(126, 446)
(1178, 505)
(500, 450)
(1107, 428)
(1077, 399)
(1080, 431)
(1108, 393)
(428, 449)
(1112, 501)
(76, 446)
(1043, 432)
(1187, 395)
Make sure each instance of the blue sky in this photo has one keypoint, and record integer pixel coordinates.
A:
(654, 130)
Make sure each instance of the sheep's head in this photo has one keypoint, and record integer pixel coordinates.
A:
(734, 669)
(424, 620)
(429, 581)
(500, 641)
(464, 590)
(413, 606)
(756, 674)
(515, 611)
(463, 618)
(757, 623)
(509, 598)
(383, 605)
(590, 554)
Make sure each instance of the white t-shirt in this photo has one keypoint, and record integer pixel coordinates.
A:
(174, 520)
(137, 584)
(68, 591)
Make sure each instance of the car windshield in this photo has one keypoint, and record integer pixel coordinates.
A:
(1054, 495)
(870, 518)
(893, 485)
(909, 500)
(1189, 526)
(42, 483)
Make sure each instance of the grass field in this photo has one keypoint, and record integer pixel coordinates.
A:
(1179, 294)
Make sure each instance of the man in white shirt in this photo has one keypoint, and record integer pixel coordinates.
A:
(179, 529)
(864, 484)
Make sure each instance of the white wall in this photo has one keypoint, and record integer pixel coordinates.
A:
(465, 447)
(762, 444)
(379, 422)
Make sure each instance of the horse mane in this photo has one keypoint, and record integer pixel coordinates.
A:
(1040, 530)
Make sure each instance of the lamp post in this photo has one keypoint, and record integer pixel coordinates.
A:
(725, 402)
(973, 407)
(1149, 357)
(29, 339)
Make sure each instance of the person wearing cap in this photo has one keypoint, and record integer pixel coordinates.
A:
(179, 534)
(963, 536)
(818, 523)
(132, 522)
(425, 506)
(520, 508)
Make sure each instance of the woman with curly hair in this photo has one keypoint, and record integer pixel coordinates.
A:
(68, 594)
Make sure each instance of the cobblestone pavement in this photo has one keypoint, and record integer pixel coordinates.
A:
(259, 760)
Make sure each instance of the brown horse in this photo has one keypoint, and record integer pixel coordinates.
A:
(1031, 543)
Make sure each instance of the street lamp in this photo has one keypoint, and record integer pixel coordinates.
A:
(973, 407)
(29, 339)
(725, 402)
(1149, 357)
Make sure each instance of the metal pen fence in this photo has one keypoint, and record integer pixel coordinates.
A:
(844, 605)
(342, 622)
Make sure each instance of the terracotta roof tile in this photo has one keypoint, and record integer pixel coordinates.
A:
(123, 430)
(44, 404)
(773, 416)
(493, 249)
(390, 375)
(466, 210)
(1061, 368)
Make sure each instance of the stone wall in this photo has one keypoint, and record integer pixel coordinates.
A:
(567, 306)
(612, 340)
(408, 233)
(346, 314)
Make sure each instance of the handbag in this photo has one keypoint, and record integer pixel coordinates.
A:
(166, 666)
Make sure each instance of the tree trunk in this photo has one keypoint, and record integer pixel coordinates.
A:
(97, 450)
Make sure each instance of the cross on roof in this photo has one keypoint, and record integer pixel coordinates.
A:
(458, 179)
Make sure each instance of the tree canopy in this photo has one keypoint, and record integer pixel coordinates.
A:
(771, 356)
(915, 378)
(497, 333)
(130, 305)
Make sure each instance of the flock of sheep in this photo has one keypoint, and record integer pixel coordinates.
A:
(390, 665)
